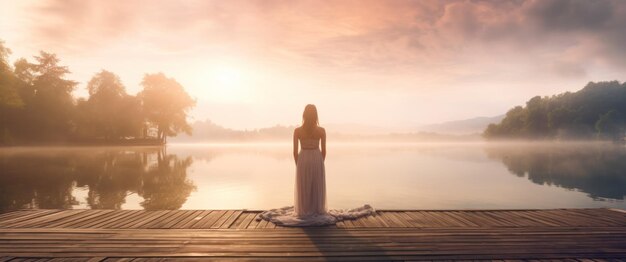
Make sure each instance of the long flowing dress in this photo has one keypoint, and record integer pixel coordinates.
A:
(310, 191)
(310, 194)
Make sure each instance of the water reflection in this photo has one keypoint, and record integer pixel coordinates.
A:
(46, 178)
(424, 176)
(596, 169)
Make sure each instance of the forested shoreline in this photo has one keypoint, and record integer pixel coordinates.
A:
(598, 111)
(37, 106)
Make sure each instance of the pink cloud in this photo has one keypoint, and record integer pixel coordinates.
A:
(359, 35)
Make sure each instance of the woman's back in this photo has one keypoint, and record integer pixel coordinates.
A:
(310, 139)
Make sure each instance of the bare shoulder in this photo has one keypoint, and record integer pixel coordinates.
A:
(296, 131)
(321, 130)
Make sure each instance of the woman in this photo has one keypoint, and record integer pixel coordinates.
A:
(310, 191)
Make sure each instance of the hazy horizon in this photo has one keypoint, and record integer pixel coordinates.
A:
(396, 64)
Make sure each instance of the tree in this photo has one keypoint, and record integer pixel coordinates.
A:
(537, 118)
(111, 113)
(610, 125)
(9, 96)
(47, 97)
(165, 104)
(37, 106)
(582, 114)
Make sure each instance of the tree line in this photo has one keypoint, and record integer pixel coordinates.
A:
(37, 105)
(598, 111)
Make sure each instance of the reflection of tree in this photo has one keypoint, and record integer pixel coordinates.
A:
(45, 180)
(593, 169)
(33, 181)
(165, 186)
(110, 176)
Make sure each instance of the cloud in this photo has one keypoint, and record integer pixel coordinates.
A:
(359, 35)
(568, 69)
(567, 15)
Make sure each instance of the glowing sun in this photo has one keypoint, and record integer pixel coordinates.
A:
(224, 83)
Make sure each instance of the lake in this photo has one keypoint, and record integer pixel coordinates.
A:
(261, 176)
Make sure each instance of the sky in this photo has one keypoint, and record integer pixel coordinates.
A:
(393, 64)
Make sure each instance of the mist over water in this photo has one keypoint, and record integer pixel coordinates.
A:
(261, 176)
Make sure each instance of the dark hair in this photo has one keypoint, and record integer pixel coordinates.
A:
(309, 119)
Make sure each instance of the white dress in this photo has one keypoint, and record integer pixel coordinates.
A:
(310, 194)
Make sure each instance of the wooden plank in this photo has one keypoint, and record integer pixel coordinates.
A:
(446, 219)
(389, 219)
(143, 219)
(129, 215)
(77, 220)
(416, 219)
(18, 213)
(254, 222)
(262, 224)
(458, 216)
(9, 216)
(93, 223)
(238, 220)
(584, 219)
(432, 220)
(400, 219)
(380, 220)
(26, 217)
(191, 215)
(618, 217)
(166, 223)
(208, 219)
(348, 224)
(520, 220)
(70, 259)
(103, 223)
(532, 216)
(407, 220)
(46, 218)
(197, 218)
(270, 225)
(480, 219)
(96, 259)
(563, 217)
(214, 217)
(357, 223)
(498, 220)
(246, 220)
(547, 219)
(218, 223)
(233, 217)
(368, 222)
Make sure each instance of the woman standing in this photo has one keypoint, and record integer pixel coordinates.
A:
(310, 190)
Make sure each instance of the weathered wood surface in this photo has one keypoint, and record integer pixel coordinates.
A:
(104, 235)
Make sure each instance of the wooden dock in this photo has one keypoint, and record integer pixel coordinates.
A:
(137, 235)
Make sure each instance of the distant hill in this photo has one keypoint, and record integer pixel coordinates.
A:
(358, 129)
(462, 127)
(207, 131)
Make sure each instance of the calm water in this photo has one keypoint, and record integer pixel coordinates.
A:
(261, 176)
